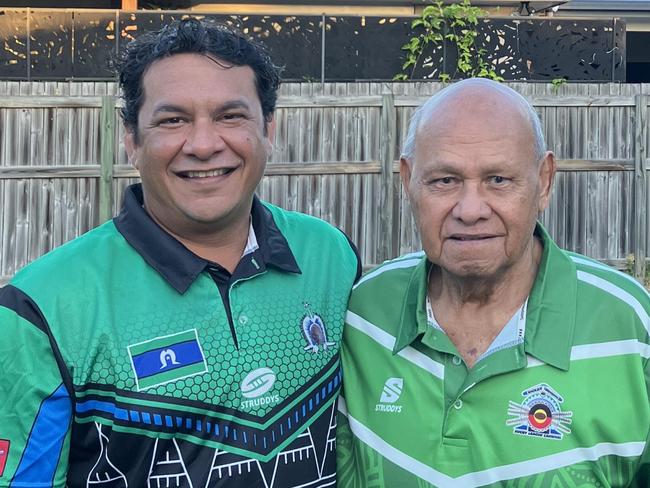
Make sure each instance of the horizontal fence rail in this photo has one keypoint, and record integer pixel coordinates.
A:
(44, 101)
(336, 156)
(284, 169)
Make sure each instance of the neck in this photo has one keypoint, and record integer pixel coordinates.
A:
(473, 310)
(223, 246)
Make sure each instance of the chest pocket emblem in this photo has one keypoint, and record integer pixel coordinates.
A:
(540, 414)
(314, 331)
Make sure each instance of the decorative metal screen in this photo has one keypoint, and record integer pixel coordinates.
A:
(54, 45)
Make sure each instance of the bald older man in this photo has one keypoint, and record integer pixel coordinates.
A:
(493, 358)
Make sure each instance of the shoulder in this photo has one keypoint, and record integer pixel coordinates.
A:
(70, 260)
(608, 282)
(611, 301)
(381, 292)
(308, 234)
(391, 273)
(288, 220)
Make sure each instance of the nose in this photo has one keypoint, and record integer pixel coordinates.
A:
(471, 206)
(203, 140)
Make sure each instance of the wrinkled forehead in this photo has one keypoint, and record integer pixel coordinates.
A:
(476, 104)
(474, 113)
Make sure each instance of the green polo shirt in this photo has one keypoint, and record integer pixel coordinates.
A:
(567, 406)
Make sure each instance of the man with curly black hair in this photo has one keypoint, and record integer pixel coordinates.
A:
(194, 339)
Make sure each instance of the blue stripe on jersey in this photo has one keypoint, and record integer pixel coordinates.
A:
(41, 455)
(158, 360)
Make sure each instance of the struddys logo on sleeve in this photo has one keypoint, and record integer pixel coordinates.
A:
(313, 329)
(540, 414)
(166, 359)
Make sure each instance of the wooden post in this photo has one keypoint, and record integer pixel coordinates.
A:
(640, 184)
(387, 155)
(130, 5)
(107, 158)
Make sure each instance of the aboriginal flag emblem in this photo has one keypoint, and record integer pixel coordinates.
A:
(540, 414)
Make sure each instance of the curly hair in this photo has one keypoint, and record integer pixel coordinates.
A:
(193, 36)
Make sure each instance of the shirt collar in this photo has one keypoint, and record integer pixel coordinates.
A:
(551, 310)
(551, 316)
(251, 242)
(180, 266)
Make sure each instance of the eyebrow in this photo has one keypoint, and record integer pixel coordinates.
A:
(443, 168)
(229, 105)
(451, 170)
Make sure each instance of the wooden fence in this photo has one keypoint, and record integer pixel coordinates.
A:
(63, 168)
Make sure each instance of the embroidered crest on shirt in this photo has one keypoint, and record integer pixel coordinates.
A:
(313, 329)
(540, 414)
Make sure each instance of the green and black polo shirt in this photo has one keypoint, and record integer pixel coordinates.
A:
(129, 361)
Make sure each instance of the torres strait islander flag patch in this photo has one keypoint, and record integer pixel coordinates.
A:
(165, 359)
(4, 452)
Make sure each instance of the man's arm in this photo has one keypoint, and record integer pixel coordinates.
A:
(35, 405)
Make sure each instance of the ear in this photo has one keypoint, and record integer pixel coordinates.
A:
(269, 129)
(131, 147)
(405, 173)
(547, 169)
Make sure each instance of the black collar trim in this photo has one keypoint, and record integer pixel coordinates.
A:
(177, 264)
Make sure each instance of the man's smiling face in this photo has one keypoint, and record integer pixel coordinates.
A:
(202, 143)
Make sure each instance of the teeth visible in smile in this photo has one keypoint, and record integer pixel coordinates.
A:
(207, 174)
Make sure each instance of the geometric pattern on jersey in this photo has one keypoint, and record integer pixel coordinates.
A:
(309, 461)
(210, 425)
(567, 407)
(96, 314)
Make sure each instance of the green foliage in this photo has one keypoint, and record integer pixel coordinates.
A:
(455, 23)
(557, 83)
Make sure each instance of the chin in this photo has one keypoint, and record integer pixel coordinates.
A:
(480, 271)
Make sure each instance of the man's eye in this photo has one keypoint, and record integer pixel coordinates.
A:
(499, 180)
(171, 121)
(444, 181)
(233, 116)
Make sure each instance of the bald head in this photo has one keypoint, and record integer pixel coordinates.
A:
(477, 101)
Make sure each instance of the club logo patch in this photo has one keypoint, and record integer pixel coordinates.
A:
(313, 329)
(540, 414)
(4, 453)
(166, 359)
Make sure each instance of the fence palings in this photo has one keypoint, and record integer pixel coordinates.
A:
(336, 156)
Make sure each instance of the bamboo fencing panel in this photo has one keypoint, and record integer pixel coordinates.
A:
(63, 167)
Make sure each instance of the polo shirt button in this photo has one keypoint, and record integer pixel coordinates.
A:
(456, 360)
(243, 319)
(458, 404)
